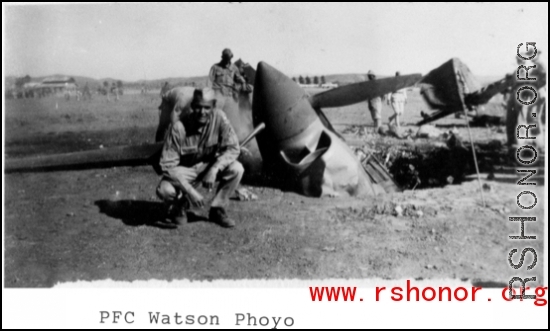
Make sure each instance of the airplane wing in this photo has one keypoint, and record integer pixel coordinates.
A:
(108, 157)
(101, 158)
(358, 92)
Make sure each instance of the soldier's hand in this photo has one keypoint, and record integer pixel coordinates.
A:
(240, 79)
(210, 178)
(195, 198)
(245, 152)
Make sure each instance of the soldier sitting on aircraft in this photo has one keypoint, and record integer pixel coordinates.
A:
(225, 78)
(201, 147)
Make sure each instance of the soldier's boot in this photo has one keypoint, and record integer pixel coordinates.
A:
(174, 215)
(219, 216)
(165, 220)
(376, 125)
(177, 213)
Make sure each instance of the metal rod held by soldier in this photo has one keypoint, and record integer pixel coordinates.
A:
(253, 134)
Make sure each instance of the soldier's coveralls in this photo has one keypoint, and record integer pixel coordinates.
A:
(397, 100)
(188, 152)
(226, 81)
(375, 108)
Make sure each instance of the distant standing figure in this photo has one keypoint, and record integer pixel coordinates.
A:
(108, 92)
(398, 100)
(165, 88)
(114, 90)
(245, 86)
(518, 114)
(375, 104)
(506, 94)
(86, 94)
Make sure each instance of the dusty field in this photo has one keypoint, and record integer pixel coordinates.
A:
(94, 224)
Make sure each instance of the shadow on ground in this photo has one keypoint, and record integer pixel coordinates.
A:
(132, 212)
(140, 213)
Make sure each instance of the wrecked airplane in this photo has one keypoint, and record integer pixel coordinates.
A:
(299, 149)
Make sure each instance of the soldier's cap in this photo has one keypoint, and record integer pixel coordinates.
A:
(227, 53)
(370, 72)
(397, 73)
(204, 96)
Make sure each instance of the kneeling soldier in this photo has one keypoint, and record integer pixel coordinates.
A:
(201, 147)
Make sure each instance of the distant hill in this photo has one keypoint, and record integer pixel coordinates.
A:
(94, 83)
(341, 79)
(173, 81)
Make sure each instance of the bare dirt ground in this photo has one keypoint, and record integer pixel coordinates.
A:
(94, 224)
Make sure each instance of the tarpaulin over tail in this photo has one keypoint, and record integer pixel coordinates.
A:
(445, 87)
(485, 94)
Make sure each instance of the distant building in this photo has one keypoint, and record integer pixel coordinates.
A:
(59, 84)
(31, 89)
(51, 85)
(31, 85)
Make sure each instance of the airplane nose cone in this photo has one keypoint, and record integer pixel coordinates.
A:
(280, 103)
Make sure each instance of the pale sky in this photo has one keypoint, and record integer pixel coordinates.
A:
(155, 41)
